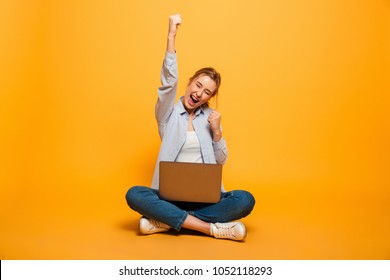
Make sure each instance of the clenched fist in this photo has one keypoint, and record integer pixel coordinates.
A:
(214, 120)
(174, 22)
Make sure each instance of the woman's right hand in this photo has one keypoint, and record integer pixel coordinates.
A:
(174, 22)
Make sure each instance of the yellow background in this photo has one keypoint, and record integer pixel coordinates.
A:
(305, 110)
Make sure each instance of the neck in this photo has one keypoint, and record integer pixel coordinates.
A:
(191, 112)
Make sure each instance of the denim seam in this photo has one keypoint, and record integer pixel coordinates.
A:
(180, 223)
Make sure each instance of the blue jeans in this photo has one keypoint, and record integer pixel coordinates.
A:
(233, 205)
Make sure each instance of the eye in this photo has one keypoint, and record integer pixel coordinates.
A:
(198, 85)
(208, 92)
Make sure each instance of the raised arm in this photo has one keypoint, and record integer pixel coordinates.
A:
(174, 22)
(169, 75)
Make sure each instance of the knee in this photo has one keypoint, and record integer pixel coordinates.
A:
(133, 195)
(247, 201)
(250, 199)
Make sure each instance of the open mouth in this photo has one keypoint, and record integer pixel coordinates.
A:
(193, 100)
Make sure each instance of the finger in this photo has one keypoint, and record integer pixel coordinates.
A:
(177, 19)
(215, 113)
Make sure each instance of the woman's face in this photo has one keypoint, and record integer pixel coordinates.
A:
(198, 92)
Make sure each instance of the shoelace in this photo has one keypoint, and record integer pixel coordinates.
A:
(225, 231)
(158, 224)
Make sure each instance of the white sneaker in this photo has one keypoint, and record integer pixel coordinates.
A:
(231, 230)
(149, 226)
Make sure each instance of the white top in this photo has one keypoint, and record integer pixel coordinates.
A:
(190, 152)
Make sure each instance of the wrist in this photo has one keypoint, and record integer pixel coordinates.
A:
(171, 36)
(217, 135)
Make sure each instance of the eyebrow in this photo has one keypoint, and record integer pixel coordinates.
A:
(202, 85)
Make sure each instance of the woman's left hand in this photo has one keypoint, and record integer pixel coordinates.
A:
(215, 123)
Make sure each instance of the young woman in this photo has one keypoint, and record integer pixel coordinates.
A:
(190, 132)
